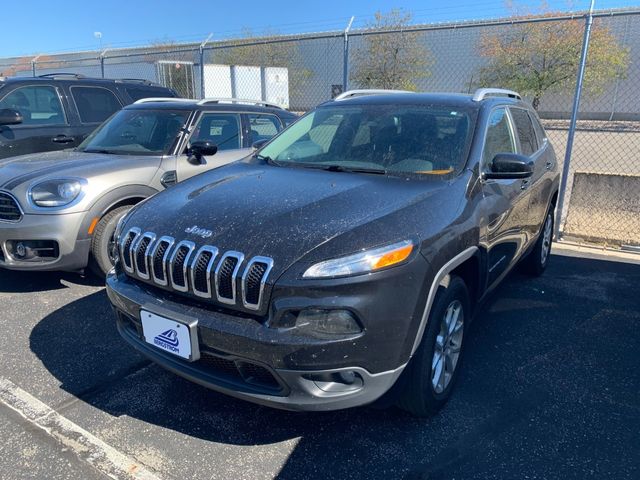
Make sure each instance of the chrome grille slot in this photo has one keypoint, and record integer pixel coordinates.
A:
(140, 253)
(226, 276)
(126, 248)
(178, 265)
(201, 271)
(158, 259)
(9, 208)
(253, 281)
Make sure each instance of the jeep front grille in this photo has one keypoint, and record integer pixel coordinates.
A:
(9, 208)
(225, 278)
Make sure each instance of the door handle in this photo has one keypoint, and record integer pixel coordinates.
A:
(63, 139)
(524, 185)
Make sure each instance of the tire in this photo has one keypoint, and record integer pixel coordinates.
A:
(101, 260)
(535, 263)
(424, 391)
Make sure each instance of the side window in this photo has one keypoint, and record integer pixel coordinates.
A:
(223, 129)
(263, 127)
(499, 138)
(137, 93)
(38, 105)
(540, 133)
(95, 104)
(524, 127)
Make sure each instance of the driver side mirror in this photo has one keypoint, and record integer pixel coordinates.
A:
(257, 145)
(10, 117)
(509, 166)
(198, 150)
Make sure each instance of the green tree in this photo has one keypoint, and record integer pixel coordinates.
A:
(392, 59)
(541, 57)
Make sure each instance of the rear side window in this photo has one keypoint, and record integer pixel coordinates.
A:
(263, 127)
(526, 134)
(222, 129)
(499, 138)
(137, 93)
(95, 104)
(540, 133)
(38, 105)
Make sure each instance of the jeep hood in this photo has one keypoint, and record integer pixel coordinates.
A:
(26, 169)
(285, 213)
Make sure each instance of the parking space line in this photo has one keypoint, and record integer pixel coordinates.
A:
(87, 446)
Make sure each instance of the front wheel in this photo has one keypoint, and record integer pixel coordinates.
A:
(433, 371)
(103, 249)
(536, 261)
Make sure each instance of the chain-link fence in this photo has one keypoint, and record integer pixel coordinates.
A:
(602, 199)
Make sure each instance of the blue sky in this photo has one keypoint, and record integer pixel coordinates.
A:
(41, 26)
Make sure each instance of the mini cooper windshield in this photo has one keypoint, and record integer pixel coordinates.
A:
(136, 132)
(386, 139)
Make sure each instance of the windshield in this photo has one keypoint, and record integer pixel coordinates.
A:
(137, 132)
(415, 139)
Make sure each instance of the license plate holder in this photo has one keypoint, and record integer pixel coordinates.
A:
(172, 336)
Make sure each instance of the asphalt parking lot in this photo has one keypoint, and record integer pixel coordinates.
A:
(550, 388)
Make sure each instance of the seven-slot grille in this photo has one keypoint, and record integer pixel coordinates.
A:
(203, 272)
(9, 208)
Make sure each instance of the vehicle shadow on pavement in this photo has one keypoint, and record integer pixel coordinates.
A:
(25, 282)
(537, 388)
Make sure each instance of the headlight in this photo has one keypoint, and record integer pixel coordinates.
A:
(363, 262)
(55, 193)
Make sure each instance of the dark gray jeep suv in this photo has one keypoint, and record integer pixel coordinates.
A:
(343, 262)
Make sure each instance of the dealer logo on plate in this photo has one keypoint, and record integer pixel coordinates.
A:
(168, 340)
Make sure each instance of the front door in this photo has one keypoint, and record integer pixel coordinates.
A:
(45, 125)
(222, 129)
(506, 202)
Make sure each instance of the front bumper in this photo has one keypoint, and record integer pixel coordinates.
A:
(231, 345)
(62, 229)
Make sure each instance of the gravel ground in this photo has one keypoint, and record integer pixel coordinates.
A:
(550, 388)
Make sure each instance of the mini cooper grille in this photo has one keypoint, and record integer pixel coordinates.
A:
(178, 266)
(9, 209)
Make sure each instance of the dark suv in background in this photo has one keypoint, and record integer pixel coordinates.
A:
(58, 111)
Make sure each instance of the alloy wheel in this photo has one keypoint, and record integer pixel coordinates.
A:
(448, 347)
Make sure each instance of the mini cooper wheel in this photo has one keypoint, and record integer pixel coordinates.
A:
(103, 249)
(433, 371)
(536, 262)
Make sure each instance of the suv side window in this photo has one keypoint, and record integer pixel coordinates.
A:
(540, 133)
(137, 93)
(38, 105)
(222, 129)
(526, 134)
(499, 137)
(263, 126)
(95, 104)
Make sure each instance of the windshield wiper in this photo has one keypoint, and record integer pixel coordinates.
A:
(341, 168)
(268, 159)
(98, 150)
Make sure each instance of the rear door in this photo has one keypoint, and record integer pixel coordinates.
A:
(506, 202)
(224, 129)
(46, 123)
(94, 104)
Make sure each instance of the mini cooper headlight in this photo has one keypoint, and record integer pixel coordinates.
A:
(55, 193)
(363, 262)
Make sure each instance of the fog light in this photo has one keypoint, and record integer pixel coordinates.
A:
(21, 250)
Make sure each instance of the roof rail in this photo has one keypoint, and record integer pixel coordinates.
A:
(206, 101)
(136, 80)
(164, 99)
(367, 91)
(62, 74)
(482, 93)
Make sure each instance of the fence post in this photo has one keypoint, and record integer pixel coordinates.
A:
(102, 54)
(201, 51)
(33, 65)
(345, 58)
(574, 118)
